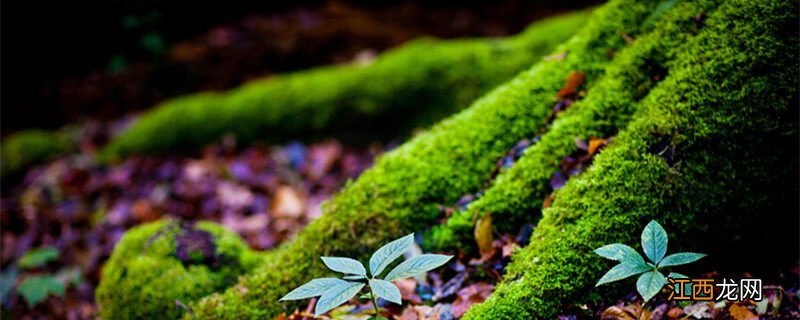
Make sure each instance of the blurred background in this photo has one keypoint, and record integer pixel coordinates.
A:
(64, 62)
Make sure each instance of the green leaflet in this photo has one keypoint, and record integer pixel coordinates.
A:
(388, 253)
(416, 265)
(336, 295)
(313, 288)
(345, 265)
(654, 241)
(386, 290)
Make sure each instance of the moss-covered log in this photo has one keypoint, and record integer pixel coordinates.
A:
(712, 154)
(414, 85)
(405, 189)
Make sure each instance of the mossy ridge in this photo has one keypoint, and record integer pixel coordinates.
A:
(723, 119)
(402, 191)
(31, 146)
(413, 85)
(516, 195)
(146, 274)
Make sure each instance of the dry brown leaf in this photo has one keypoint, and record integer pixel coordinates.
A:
(675, 313)
(740, 312)
(483, 236)
(287, 203)
(407, 290)
(625, 313)
(419, 313)
(323, 157)
(509, 248)
(574, 80)
(595, 144)
(475, 293)
(143, 211)
(548, 201)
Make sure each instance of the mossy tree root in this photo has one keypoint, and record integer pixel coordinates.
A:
(516, 195)
(404, 190)
(414, 85)
(712, 155)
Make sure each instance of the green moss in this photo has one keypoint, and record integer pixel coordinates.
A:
(30, 147)
(155, 264)
(411, 86)
(516, 195)
(404, 190)
(711, 155)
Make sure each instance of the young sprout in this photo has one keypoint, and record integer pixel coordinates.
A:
(654, 243)
(334, 291)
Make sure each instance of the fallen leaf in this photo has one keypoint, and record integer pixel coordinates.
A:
(323, 157)
(483, 235)
(143, 211)
(698, 310)
(287, 203)
(418, 313)
(595, 144)
(675, 313)
(450, 287)
(548, 201)
(509, 247)
(740, 312)
(625, 313)
(574, 80)
(408, 288)
(475, 293)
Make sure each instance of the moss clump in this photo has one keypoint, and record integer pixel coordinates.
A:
(26, 148)
(413, 85)
(158, 263)
(404, 190)
(712, 154)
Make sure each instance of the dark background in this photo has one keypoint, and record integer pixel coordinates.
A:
(64, 61)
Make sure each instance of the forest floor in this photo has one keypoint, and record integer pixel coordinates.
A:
(65, 217)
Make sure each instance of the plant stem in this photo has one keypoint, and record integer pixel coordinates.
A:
(374, 301)
(641, 311)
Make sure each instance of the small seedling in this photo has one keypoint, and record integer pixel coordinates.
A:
(334, 291)
(654, 243)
